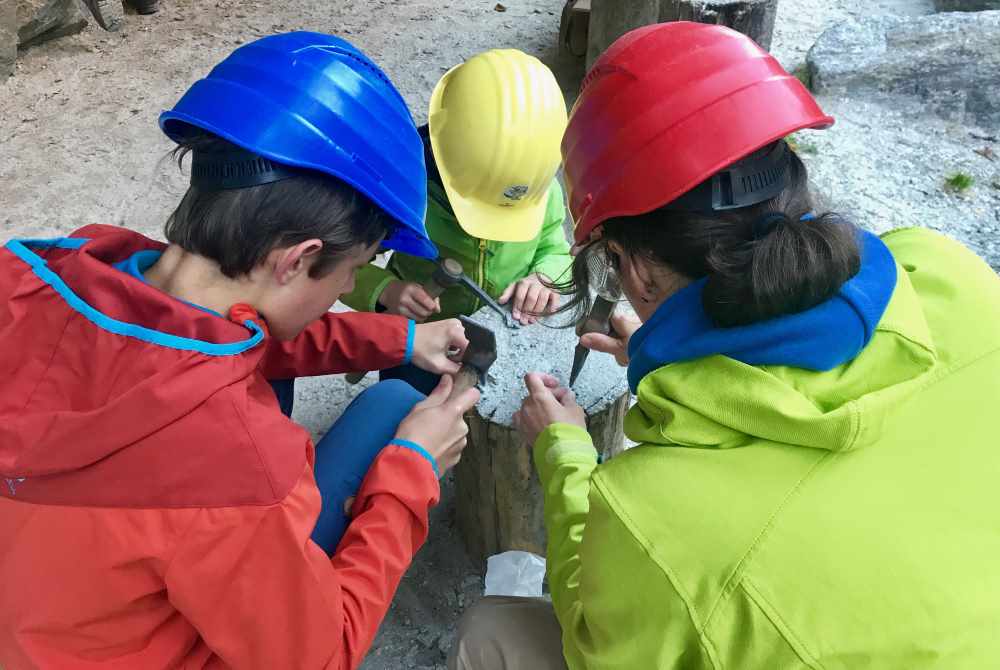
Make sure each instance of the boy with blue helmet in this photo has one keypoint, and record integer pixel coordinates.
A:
(159, 510)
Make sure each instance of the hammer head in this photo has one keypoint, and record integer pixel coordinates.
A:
(482, 349)
(448, 273)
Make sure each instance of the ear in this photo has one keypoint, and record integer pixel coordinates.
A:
(290, 262)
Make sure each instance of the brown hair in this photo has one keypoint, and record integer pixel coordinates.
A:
(237, 228)
(752, 276)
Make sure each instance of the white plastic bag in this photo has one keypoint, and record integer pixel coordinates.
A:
(515, 573)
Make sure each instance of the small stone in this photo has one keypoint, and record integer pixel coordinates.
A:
(444, 643)
(427, 638)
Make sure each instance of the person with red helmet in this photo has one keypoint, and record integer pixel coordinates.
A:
(815, 478)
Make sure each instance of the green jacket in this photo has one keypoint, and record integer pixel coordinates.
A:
(774, 517)
(493, 265)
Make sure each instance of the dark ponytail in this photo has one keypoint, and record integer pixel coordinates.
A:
(754, 272)
(795, 265)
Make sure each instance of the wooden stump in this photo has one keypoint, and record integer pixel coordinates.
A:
(573, 28)
(610, 19)
(498, 496)
(754, 18)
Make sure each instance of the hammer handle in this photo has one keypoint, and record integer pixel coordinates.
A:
(433, 288)
(465, 379)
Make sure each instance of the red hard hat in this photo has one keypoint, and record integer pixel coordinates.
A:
(665, 108)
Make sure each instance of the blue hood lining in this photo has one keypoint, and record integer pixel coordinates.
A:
(821, 338)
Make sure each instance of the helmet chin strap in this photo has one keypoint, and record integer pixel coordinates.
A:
(235, 168)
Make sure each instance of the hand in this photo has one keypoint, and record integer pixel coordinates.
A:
(436, 423)
(547, 403)
(437, 346)
(531, 298)
(616, 344)
(408, 299)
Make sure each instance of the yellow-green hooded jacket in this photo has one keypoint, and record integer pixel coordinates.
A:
(775, 517)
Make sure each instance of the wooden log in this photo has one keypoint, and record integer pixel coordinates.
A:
(610, 19)
(754, 18)
(498, 496)
(573, 28)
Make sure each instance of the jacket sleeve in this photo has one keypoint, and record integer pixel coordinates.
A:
(565, 458)
(261, 594)
(369, 282)
(341, 342)
(552, 257)
(617, 608)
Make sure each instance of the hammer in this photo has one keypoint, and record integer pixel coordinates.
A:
(598, 321)
(448, 273)
(477, 358)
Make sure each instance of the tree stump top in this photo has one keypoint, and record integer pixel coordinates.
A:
(543, 348)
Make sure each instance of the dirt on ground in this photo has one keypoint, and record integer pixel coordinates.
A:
(79, 144)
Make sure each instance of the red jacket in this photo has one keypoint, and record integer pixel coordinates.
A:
(155, 505)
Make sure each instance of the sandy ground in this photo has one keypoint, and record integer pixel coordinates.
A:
(79, 144)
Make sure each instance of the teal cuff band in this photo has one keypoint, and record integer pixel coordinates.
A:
(411, 333)
(413, 446)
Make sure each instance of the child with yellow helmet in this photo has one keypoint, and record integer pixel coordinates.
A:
(492, 151)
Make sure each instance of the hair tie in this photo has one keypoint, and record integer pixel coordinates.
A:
(764, 225)
(808, 216)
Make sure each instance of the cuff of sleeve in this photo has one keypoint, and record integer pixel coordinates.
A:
(562, 442)
(411, 334)
(413, 446)
(377, 292)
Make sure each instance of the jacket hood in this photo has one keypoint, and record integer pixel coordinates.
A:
(718, 401)
(91, 349)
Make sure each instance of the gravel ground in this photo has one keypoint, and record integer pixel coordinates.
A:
(79, 144)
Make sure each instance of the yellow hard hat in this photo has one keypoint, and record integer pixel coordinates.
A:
(496, 122)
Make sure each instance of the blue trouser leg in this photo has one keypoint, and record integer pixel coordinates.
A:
(284, 389)
(349, 448)
(423, 381)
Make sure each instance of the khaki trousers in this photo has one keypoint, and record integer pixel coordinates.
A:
(502, 633)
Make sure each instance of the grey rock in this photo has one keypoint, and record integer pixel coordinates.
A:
(43, 20)
(109, 14)
(947, 61)
(543, 348)
(8, 38)
(965, 5)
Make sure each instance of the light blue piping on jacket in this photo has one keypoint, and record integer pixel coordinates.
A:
(21, 249)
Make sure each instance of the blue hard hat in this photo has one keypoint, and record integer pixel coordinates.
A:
(315, 101)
